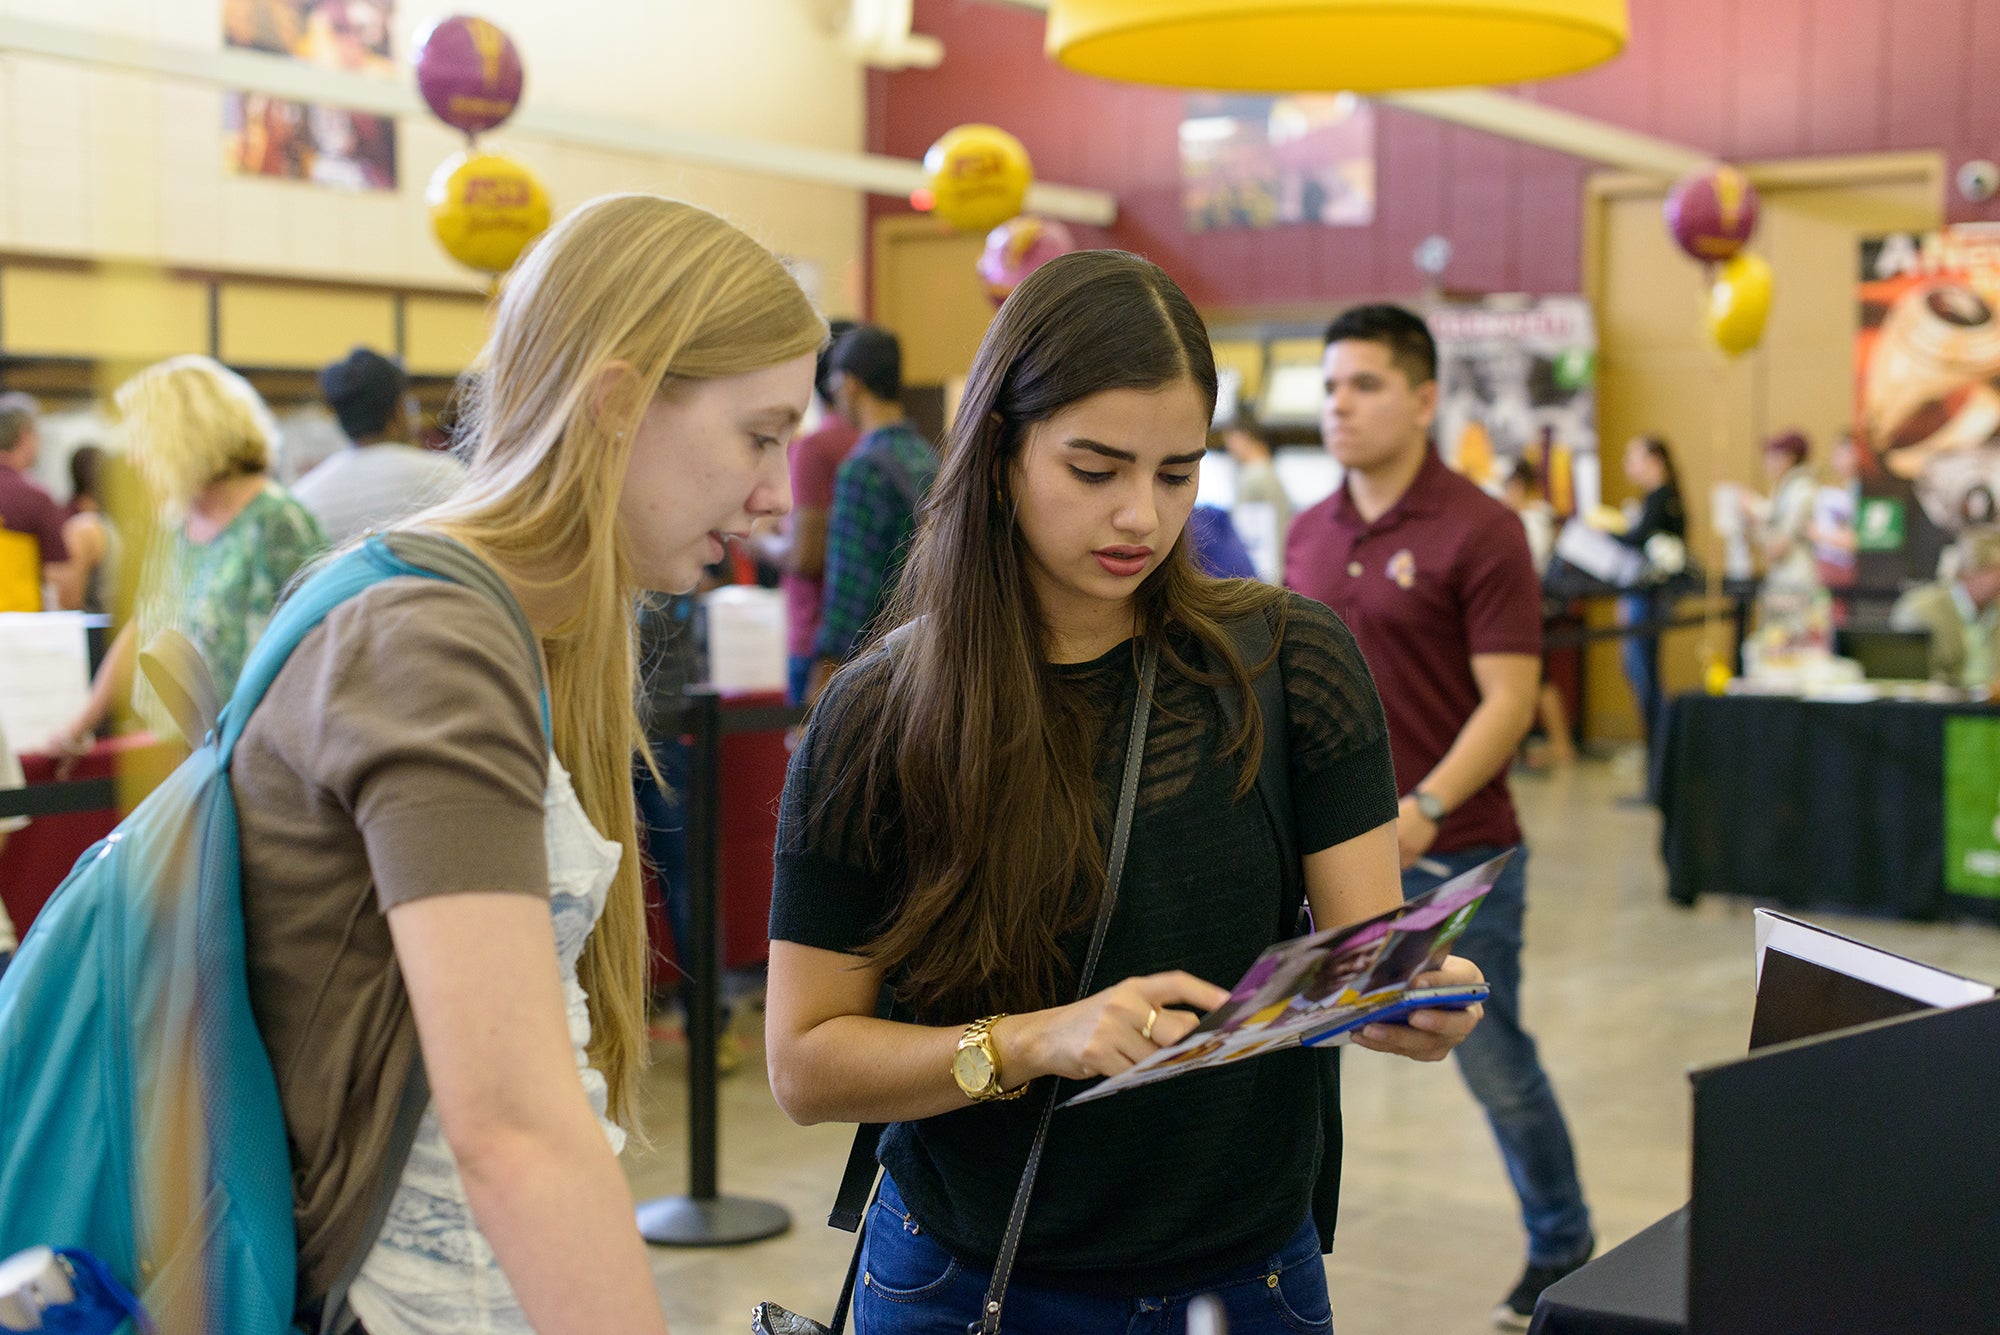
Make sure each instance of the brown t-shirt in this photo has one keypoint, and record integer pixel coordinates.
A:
(399, 754)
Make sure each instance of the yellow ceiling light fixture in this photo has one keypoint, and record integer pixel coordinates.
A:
(1366, 46)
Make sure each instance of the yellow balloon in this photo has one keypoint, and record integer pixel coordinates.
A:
(485, 209)
(979, 177)
(1739, 303)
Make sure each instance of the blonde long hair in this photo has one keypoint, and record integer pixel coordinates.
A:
(672, 293)
(192, 421)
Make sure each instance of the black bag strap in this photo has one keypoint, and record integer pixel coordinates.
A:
(1114, 874)
(1252, 637)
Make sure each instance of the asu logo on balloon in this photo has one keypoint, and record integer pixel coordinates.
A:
(485, 209)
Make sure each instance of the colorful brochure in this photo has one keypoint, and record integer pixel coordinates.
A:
(1319, 989)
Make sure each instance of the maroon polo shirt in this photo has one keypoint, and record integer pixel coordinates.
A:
(26, 508)
(1444, 574)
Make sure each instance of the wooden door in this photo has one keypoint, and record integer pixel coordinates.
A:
(1659, 375)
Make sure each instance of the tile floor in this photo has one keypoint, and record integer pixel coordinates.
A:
(1624, 990)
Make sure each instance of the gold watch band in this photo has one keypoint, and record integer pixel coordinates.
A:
(979, 1034)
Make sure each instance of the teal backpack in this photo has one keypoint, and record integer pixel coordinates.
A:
(141, 1114)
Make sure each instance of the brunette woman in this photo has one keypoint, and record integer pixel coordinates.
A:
(945, 828)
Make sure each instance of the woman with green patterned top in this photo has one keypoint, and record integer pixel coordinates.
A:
(229, 540)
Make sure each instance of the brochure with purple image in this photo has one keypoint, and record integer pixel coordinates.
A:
(1320, 989)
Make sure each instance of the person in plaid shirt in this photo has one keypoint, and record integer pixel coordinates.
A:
(876, 495)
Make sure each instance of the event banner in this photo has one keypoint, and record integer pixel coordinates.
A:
(1972, 805)
(270, 136)
(1927, 397)
(1517, 379)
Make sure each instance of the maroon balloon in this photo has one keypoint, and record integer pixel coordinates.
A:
(470, 72)
(1712, 213)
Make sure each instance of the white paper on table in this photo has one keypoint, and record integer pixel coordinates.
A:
(746, 638)
(44, 675)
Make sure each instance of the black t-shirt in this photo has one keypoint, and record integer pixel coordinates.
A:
(1170, 1184)
(1660, 512)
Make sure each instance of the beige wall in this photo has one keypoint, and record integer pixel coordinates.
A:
(99, 162)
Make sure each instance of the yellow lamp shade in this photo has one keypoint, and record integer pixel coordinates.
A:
(485, 209)
(1365, 46)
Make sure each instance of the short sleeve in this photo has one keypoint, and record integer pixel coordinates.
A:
(814, 462)
(414, 707)
(832, 875)
(293, 538)
(55, 548)
(1501, 598)
(1343, 777)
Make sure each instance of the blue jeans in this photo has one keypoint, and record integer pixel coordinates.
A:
(910, 1285)
(1641, 656)
(798, 675)
(1500, 1066)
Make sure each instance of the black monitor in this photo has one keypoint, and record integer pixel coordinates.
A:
(1811, 980)
(1886, 654)
(1845, 1184)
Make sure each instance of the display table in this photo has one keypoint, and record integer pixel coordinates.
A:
(1637, 1288)
(1808, 803)
(37, 858)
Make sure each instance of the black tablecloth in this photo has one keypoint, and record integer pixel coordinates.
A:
(1808, 804)
(1639, 1288)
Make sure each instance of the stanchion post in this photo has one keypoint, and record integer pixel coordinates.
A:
(704, 1217)
(704, 946)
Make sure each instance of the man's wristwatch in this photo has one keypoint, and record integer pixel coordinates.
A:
(976, 1064)
(1428, 806)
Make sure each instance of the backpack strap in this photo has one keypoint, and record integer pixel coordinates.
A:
(1252, 637)
(899, 476)
(427, 555)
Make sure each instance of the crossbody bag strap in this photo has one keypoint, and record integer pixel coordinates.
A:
(1121, 836)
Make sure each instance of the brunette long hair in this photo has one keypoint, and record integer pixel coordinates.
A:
(991, 761)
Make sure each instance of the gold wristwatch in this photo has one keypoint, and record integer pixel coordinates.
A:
(976, 1064)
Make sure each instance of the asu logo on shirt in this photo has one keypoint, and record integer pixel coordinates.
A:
(1402, 569)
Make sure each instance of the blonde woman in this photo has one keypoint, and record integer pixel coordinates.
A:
(410, 839)
(201, 439)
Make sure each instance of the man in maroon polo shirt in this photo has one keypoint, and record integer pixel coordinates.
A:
(25, 507)
(1434, 578)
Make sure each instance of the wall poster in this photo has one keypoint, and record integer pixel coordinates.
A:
(1274, 161)
(1517, 379)
(1927, 397)
(270, 136)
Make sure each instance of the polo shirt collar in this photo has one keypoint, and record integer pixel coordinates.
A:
(1426, 496)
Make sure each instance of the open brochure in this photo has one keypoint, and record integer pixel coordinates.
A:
(1320, 989)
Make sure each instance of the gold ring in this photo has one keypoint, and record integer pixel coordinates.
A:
(1152, 1018)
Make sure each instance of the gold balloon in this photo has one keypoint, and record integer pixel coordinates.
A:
(485, 209)
(1739, 303)
(979, 176)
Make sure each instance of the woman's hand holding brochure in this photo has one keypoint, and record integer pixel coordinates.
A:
(1390, 984)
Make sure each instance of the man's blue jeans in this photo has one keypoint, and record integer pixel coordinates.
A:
(1500, 1065)
(909, 1285)
(798, 676)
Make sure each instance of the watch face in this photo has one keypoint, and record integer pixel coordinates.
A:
(973, 1069)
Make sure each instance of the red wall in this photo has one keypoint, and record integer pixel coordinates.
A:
(1741, 78)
